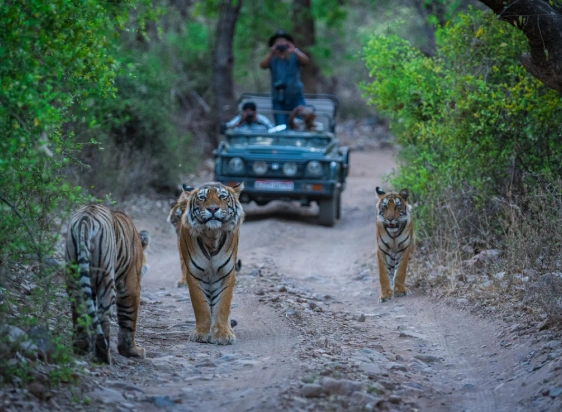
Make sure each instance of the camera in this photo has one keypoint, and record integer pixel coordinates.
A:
(282, 47)
(279, 90)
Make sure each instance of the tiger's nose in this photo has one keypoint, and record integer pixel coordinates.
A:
(213, 209)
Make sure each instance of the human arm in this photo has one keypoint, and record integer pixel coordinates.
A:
(291, 120)
(264, 64)
(303, 58)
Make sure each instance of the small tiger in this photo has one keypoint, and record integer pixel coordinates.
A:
(208, 244)
(395, 239)
(109, 254)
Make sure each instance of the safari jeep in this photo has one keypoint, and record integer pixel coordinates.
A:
(282, 164)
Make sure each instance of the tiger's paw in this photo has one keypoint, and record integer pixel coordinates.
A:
(133, 351)
(383, 299)
(398, 294)
(201, 337)
(181, 284)
(223, 337)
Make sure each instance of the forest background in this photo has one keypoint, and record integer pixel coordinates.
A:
(112, 99)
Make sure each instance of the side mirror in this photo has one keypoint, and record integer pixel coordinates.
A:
(222, 128)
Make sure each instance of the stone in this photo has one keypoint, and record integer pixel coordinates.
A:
(160, 401)
(427, 358)
(554, 392)
(339, 386)
(371, 369)
(398, 367)
(362, 398)
(361, 318)
(408, 334)
(311, 390)
(39, 391)
(206, 364)
(106, 395)
(553, 344)
(387, 384)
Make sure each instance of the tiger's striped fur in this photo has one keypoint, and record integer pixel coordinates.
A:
(395, 240)
(109, 254)
(208, 244)
(174, 218)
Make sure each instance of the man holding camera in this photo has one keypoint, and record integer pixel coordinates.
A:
(249, 118)
(284, 60)
(307, 121)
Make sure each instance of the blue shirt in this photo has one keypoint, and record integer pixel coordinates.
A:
(286, 71)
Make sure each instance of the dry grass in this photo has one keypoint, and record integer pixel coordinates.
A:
(501, 253)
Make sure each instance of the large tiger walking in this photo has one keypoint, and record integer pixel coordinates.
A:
(395, 242)
(108, 252)
(208, 243)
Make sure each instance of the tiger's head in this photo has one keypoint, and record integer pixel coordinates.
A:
(176, 212)
(213, 206)
(393, 209)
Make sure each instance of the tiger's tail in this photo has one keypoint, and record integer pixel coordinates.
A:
(85, 284)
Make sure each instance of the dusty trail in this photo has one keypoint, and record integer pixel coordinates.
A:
(298, 301)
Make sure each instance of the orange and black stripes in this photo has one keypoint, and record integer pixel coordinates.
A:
(208, 244)
(395, 240)
(108, 251)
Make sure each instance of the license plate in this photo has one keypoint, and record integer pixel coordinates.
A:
(274, 185)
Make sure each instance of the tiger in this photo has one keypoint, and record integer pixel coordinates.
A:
(174, 217)
(109, 253)
(208, 245)
(395, 240)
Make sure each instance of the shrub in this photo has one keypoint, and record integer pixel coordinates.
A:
(473, 124)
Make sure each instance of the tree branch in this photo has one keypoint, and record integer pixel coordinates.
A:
(541, 22)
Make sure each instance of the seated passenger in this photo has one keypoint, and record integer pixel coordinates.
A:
(307, 122)
(250, 119)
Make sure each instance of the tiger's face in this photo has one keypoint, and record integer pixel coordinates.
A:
(393, 209)
(214, 206)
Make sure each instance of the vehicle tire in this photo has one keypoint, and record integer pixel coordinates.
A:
(328, 210)
(338, 206)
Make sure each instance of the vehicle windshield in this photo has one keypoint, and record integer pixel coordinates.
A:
(311, 141)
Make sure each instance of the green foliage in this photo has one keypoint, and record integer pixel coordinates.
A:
(138, 131)
(55, 56)
(470, 120)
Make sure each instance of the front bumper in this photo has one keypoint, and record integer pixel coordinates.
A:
(303, 189)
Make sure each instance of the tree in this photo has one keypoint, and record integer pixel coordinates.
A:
(223, 62)
(304, 35)
(541, 22)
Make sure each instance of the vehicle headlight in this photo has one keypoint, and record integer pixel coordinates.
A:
(290, 169)
(236, 165)
(314, 168)
(260, 167)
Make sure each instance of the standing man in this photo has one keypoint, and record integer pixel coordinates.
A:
(284, 61)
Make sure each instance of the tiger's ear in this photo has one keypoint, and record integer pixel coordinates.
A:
(238, 188)
(404, 193)
(380, 192)
(186, 188)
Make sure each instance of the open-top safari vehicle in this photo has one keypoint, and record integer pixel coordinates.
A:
(283, 164)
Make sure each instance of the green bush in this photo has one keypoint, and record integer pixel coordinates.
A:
(55, 55)
(472, 123)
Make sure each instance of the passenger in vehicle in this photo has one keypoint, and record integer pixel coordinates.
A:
(307, 120)
(284, 61)
(249, 118)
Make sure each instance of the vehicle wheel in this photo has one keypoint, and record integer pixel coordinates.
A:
(328, 210)
(338, 206)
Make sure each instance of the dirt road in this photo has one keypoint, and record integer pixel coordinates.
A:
(311, 335)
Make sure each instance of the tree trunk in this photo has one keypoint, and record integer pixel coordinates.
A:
(541, 22)
(223, 63)
(303, 33)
